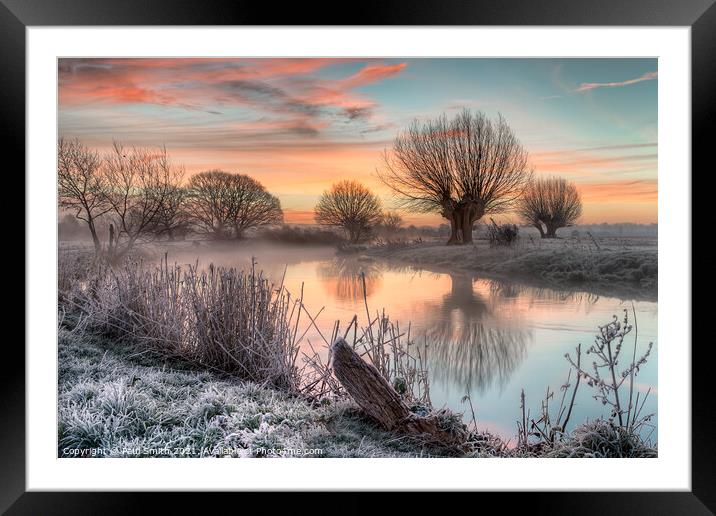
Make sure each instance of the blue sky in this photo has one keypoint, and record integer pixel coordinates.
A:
(299, 124)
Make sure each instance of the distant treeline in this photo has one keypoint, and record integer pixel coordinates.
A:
(624, 229)
(70, 228)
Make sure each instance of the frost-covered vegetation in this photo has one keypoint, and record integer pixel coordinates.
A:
(607, 267)
(570, 266)
(162, 361)
(115, 402)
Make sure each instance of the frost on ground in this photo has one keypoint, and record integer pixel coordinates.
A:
(614, 269)
(601, 439)
(113, 403)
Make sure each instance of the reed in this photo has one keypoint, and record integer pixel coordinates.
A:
(222, 319)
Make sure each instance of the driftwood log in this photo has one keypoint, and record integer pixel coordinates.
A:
(374, 394)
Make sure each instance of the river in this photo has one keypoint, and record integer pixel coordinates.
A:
(489, 339)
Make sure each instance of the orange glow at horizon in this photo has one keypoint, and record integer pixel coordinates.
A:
(297, 125)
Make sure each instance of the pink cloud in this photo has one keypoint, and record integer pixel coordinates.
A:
(275, 84)
(587, 86)
(285, 98)
(372, 73)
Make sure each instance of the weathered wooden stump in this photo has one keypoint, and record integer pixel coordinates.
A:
(374, 394)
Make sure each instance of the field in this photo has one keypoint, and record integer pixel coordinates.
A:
(625, 267)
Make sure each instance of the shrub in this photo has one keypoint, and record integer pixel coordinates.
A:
(303, 236)
(502, 234)
(603, 439)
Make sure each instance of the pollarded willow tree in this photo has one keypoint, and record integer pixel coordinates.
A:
(462, 168)
(549, 204)
(223, 204)
(351, 206)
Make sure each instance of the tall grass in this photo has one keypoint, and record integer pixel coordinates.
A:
(222, 319)
(238, 322)
(73, 268)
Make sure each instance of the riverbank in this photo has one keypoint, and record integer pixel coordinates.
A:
(115, 401)
(120, 393)
(617, 268)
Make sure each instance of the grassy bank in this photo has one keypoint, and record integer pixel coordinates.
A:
(169, 361)
(620, 271)
(114, 402)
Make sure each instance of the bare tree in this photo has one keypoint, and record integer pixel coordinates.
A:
(220, 203)
(462, 168)
(350, 205)
(391, 221)
(173, 218)
(549, 204)
(254, 206)
(81, 184)
(138, 186)
(208, 202)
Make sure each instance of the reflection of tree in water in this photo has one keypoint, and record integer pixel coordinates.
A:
(475, 356)
(509, 290)
(464, 348)
(341, 278)
(463, 298)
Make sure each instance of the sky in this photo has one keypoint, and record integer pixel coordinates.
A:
(298, 125)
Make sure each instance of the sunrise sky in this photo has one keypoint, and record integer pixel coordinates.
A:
(297, 125)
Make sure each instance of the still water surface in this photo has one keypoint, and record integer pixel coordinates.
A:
(487, 338)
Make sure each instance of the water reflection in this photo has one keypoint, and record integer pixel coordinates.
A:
(476, 357)
(490, 338)
(342, 278)
(469, 347)
(506, 290)
(463, 300)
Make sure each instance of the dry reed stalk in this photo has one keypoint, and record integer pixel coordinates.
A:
(220, 318)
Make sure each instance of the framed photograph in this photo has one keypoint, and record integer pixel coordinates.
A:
(432, 250)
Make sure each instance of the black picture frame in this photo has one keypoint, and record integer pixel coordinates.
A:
(700, 15)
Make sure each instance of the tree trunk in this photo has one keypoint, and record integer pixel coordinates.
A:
(462, 216)
(354, 234)
(372, 392)
(449, 212)
(455, 228)
(220, 233)
(473, 212)
(95, 238)
(110, 246)
(540, 229)
(467, 223)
